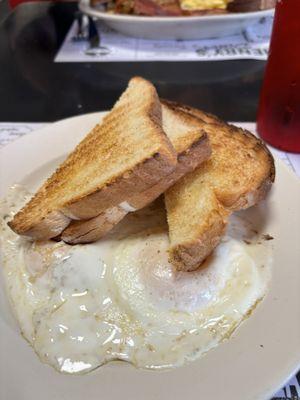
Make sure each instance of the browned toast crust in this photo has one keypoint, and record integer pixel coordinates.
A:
(188, 160)
(139, 179)
(247, 199)
(192, 145)
(93, 229)
(188, 256)
(203, 116)
(238, 190)
(49, 227)
(96, 228)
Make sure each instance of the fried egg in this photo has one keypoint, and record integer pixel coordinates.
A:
(85, 305)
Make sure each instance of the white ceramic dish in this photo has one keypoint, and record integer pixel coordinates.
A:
(261, 355)
(194, 27)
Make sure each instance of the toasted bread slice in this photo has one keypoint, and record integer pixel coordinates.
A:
(192, 146)
(238, 175)
(87, 231)
(128, 153)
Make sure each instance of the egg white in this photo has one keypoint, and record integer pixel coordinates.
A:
(82, 306)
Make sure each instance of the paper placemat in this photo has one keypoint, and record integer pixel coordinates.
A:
(252, 43)
(12, 131)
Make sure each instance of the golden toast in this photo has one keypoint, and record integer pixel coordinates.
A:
(190, 141)
(128, 153)
(238, 175)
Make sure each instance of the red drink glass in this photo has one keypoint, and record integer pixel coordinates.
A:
(278, 119)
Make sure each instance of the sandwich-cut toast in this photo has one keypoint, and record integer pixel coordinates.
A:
(191, 143)
(128, 153)
(238, 175)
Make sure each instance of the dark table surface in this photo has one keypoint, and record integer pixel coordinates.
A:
(34, 88)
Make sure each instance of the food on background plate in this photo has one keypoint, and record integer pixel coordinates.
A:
(183, 7)
(250, 5)
(123, 297)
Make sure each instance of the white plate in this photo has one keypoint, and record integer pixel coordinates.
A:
(239, 369)
(194, 27)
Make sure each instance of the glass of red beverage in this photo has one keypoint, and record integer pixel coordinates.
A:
(278, 120)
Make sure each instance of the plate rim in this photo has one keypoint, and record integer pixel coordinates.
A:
(18, 144)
